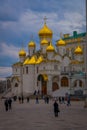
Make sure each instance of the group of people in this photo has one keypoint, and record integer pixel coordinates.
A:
(8, 104)
(64, 100)
(61, 100)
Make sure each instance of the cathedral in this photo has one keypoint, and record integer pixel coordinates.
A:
(53, 69)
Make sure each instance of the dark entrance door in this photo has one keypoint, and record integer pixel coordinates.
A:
(54, 86)
(44, 87)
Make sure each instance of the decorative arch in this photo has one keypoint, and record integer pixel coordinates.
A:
(55, 78)
(16, 84)
(64, 82)
(15, 78)
(55, 86)
(80, 83)
(43, 78)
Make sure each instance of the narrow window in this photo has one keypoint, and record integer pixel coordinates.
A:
(26, 70)
(37, 69)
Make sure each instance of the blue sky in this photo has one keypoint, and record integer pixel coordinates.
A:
(20, 19)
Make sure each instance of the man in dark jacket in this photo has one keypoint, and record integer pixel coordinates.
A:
(56, 108)
(6, 104)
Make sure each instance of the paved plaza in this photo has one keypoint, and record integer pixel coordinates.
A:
(32, 116)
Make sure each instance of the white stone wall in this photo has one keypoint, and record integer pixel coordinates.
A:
(15, 90)
(44, 48)
(29, 80)
(31, 51)
(58, 58)
(16, 70)
(62, 50)
(50, 55)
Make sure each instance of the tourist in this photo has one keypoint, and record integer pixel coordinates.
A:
(10, 103)
(19, 98)
(37, 101)
(63, 100)
(6, 104)
(22, 99)
(56, 108)
(60, 101)
(68, 100)
(28, 99)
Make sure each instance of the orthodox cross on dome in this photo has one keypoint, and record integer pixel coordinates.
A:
(45, 19)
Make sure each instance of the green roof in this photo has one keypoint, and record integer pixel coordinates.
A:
(75, 35)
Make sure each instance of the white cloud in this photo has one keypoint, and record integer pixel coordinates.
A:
(30, 22)
(5, 71)
(9, 50)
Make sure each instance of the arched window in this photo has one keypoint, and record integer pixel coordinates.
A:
(16, 84)
(55, 86)
(80, 83)
(64, 82)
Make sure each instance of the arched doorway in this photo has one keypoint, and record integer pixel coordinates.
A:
(78, 83)
(64, 82)
(16, 84)
(43, 79)
(55, 86)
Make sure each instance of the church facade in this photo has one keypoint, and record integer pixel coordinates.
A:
(53, 69)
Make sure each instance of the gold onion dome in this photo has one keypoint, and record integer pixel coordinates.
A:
(32, 60)
(31, 44)
(45, 31)
(50, 48)
(26, 61)
(61, 43)
(40, 59)
(22, 52)
(78, 50)
(44, 41)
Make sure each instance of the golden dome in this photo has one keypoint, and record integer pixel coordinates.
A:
(50, 48)
(45, 31)
(22, 53)
(32, 60)
(61, 43)
(31, 44)
(44, 41)
(78, 50)
(26, 61)
(40, 59)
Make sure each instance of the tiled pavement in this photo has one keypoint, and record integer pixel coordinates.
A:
(32, 116)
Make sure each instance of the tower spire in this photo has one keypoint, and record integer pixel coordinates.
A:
(45, 18)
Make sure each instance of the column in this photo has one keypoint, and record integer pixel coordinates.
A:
(49, 85)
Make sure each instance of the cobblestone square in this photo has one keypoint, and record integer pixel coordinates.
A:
(32, 116)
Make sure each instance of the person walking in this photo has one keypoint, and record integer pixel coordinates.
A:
(6, 104)
(10, 103)
(37, 100)
(68, 101)
(56, 108)
(28, 99)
